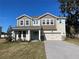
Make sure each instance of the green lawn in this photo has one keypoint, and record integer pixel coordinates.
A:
(73, 41)
(22, 50)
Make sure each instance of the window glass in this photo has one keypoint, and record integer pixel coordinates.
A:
(36, 21)
(21, 22)
(47, 21)
(51, 21)
(60, 21)
(27, 22)
(43, 21)
(33, 21)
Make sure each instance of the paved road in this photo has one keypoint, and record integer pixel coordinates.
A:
(61, 50)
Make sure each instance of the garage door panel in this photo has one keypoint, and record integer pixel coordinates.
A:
(53, 36)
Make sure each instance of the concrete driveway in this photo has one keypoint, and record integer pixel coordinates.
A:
(61, 50)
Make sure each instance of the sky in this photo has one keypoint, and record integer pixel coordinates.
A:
(11, 9)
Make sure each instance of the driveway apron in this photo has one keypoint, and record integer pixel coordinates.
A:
(61, 50)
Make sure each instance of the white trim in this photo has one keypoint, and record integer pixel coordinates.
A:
(39, 34)
(23, 15)
(49, 21)
(41, 16)
(22, 38)
(17, 37)
(28, 23)
(28, 35)
(48, 14)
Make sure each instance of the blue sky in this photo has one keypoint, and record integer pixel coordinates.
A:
(11, 9)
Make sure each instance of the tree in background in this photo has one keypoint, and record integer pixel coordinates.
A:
(70, 9)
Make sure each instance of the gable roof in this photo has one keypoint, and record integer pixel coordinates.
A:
(38, 17)
(34, 16)
(48, 14)
(24, 15)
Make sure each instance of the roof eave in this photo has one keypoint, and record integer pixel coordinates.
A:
(46, 14)
(24, 15)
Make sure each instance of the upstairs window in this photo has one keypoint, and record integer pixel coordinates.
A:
(43, 21)
(47, 21)
(21, 23)
(33, 21)
(27, 22)
(36, 21)
(51, 21)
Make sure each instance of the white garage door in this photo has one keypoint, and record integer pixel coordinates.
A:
(53, 36)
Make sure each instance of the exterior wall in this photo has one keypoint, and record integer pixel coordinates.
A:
(19, 21)
(48, 26)
(31, 22)
(54, 21)
(24, 21)
(61, 26)
(27, 19)
(35, 22)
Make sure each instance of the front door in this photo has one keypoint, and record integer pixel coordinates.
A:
(34, 35)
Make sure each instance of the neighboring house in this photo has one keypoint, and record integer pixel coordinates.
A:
(0, 31)
(4, 35)
(44, 27)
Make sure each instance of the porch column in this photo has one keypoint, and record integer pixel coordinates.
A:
(28, 35)
(22, 36)
(17, 38)
(39, 34)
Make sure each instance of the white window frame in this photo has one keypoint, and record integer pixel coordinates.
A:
(35, 21)
(21, 22)
(44, 22)
(51, 21)
(26, 22)
(47, 21)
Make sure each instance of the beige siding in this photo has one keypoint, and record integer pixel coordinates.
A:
(48, 26)
(61, 26)
(24, 21)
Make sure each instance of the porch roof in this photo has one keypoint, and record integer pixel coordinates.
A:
(27, 28)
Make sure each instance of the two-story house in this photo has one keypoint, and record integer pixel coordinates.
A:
(44, 27)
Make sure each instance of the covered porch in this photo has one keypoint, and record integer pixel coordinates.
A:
(25, 34)
(35, 35)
